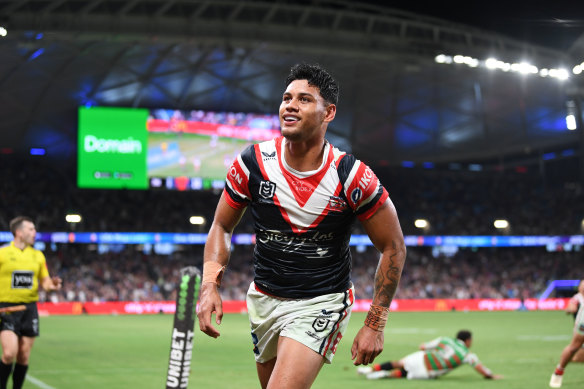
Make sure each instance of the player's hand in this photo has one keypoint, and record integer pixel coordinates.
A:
(210, 303)
(57, 283)
(497, 377)
(368, 344)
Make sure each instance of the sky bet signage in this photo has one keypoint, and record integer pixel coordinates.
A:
(113, 145)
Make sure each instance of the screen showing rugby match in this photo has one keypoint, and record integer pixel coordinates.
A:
(162, 148)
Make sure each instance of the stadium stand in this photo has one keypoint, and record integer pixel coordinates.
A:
(454, 202)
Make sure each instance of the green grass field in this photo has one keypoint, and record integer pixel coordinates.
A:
(132, 352)
(197, 146)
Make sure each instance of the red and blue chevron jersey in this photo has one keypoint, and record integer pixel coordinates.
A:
(302, 220)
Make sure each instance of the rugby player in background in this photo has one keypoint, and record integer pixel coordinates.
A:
(304, 194)
(435, 358)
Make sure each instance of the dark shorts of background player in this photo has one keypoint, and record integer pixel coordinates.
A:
(22, 323)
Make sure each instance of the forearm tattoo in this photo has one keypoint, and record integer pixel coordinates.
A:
(387, 278)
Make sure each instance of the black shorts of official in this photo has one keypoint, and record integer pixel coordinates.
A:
(22, 323)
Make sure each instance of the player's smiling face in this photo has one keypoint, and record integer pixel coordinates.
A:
(303, 111)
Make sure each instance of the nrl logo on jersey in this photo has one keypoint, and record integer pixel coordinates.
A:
(269, 156)
(267, 189)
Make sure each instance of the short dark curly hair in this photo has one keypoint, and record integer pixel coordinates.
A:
(464, 335)
(318, 77)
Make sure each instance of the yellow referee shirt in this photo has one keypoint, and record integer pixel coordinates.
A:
(20, 273)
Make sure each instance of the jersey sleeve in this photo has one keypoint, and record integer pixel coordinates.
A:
(44, 270)
(362, 188)
(471, 359)
(236, 191)
(431, 344)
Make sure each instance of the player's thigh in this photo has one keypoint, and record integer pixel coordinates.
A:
(296, 366)
(265, 370)
(25, 344)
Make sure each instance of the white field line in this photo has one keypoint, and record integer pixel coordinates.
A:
(545, 338)
(38, 382)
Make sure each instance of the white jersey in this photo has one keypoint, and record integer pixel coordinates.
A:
(302, 220)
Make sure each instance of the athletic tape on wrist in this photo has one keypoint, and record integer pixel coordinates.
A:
(213, 272)
(377, 317)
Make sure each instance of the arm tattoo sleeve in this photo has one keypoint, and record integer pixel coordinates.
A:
(387, 277)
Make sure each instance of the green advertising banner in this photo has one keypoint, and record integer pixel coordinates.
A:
(113, 146)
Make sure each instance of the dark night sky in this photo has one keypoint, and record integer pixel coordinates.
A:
(555, 24)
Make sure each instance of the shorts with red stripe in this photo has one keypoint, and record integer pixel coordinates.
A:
(318, 322)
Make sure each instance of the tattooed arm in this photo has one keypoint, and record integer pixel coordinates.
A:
(385, 232)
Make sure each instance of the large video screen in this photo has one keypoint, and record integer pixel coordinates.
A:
(162, 148)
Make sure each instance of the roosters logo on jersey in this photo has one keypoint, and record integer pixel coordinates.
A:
(336, 204)
(267, 189)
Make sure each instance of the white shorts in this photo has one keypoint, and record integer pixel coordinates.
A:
(415, 366)
(318, 323)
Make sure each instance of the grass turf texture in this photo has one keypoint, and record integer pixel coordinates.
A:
(132, 351)
(193, 145)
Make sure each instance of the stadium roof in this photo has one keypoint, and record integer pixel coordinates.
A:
(397, 103)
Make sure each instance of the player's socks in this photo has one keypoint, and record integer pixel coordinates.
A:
(559, 370)
(5, 371)
(398, 373)
(18, 375)
(384, 366)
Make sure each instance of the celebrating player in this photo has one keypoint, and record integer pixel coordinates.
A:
(575, 345)
(573, 307)
(22, 270)
(436, 358)
(304, 195)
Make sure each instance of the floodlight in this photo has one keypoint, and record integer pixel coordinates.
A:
(501, 223)
(197, 220)
(73, 218)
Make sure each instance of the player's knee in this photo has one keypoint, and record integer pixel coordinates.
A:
(8, 356)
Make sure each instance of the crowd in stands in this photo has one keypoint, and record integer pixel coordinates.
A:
(454, 203)
(130, 274)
